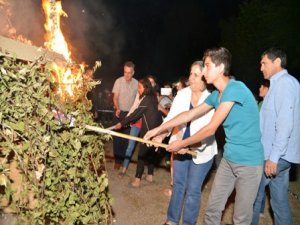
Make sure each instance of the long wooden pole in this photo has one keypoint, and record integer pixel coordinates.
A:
(114, 133)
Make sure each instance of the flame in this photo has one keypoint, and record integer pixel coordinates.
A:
(54, 37)
(68, 77)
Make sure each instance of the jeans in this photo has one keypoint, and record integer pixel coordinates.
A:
(120, 144)
(134, 131)
(245, 180)
(278, 186)
(188, 179)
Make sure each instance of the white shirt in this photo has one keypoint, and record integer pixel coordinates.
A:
(182, 103)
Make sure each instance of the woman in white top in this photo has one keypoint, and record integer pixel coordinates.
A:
(189, 173)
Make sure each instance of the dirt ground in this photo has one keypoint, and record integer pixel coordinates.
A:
(148, 204)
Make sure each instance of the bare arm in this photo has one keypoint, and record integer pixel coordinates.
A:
(208, 130)
(116, 104)
(179, 119)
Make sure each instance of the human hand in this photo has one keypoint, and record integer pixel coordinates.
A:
(117, 113)
(182, 151)
(152, 133)
(118, 126)
(159, 138)
(270, 168)
(175, 146)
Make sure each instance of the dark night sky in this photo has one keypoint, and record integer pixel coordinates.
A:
(162, 38)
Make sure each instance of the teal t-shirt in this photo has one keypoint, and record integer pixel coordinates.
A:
(241, 126)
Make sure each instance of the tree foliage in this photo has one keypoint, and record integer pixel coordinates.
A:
(259, 26)
(61, 164)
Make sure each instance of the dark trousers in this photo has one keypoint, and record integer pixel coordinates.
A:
(148, 154)
(120, 144)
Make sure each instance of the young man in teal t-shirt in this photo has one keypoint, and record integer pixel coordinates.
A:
(237, 111)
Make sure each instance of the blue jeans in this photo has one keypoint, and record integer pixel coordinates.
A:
(278, 185)
(188, 178)
(134, 131)
(120, 144)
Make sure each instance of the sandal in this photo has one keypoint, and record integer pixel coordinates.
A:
(136, 183)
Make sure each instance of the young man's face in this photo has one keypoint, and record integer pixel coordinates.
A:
(211, 71)
(128, 73)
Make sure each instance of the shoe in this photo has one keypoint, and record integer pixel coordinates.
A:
(149, 178)
(136, 183)
(121, 174)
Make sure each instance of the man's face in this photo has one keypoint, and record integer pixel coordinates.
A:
(268, 67)
(128, 73)
(211, 71)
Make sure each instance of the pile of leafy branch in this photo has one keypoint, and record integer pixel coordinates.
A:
(61, 163)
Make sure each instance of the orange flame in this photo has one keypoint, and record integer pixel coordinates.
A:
(54, 37)
(67, 77)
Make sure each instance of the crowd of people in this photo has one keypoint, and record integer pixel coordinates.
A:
(262, 138)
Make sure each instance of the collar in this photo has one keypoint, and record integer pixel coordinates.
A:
(276, 76)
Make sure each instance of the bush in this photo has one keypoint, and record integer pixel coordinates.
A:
(62, 167)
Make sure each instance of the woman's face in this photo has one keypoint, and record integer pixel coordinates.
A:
(140, 88)
(195, 78)
(263, 91)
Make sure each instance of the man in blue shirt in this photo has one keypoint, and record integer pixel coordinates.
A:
(280, 127)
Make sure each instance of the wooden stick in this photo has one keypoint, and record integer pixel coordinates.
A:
(114, 133)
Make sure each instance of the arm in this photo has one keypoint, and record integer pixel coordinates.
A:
(178, 120)
(116, 91)
(208, 130)
(284, 107)
(137, 113)
(135, 104)
(116, 104)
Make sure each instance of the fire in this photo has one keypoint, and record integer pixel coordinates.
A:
(68, 77)
(55, 40)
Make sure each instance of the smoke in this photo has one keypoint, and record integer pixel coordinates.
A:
(92, 32)
(22, 18)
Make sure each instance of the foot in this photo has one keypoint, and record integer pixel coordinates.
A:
(168, 192)
(149, 178)
(136, 183)
(167, 223)
(121, 174)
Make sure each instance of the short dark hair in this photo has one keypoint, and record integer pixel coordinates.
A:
(129, 64)
(218, 56)
(274, 53)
